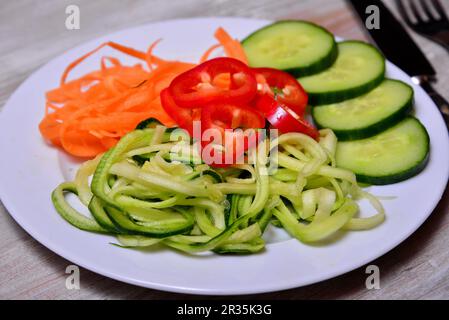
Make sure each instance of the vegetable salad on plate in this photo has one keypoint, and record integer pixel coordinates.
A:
(208, 156)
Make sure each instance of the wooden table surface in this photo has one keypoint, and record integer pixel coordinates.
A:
(33, 34)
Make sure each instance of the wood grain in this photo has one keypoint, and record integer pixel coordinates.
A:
(32, 35)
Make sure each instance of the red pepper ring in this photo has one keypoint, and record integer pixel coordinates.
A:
(283, 118)
(195, 87)
(182, 116)
(222, 144)
(289, 90)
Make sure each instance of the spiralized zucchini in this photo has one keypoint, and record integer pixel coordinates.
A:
(146, 194)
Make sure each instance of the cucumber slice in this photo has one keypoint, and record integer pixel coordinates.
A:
(369, 114)
(394, 155)
(299, 47)
(359, 68)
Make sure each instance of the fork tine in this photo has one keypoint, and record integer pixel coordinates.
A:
(403, 12)
(427, 11)
(439, 8)
(415, 11)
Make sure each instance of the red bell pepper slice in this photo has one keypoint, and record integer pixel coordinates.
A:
(283, 118)
(284, 86)
(197, 88)
(223, 145)
(182, 116)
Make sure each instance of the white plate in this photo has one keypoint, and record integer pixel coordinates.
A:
(30, 169)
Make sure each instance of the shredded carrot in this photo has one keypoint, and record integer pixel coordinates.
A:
(232, 47)
(88, 115)
(149, 57)
(208, 52)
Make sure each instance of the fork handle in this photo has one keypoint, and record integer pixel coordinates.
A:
(439, 100)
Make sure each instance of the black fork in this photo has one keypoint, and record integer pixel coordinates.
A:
(426, 17)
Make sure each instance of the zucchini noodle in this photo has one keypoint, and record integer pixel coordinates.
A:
(151, 189)
(81, 179)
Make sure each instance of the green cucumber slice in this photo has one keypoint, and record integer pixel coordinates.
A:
(394, 155)
(359, 68)
(299, 47)
(369, 114)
